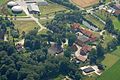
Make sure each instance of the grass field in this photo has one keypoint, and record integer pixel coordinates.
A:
(85, 3)
(51, 9)
(107, 38)
(3, 2)
(110, 60)
(112, 63)
(106, 1)
(25, 25)
(112, 73)
(44, 21)
(116, 52)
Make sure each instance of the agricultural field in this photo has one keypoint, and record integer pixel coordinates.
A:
(85, 3)
(25, 25)
(112, 63)
(51, 9)
(112, 73)
(110, 60)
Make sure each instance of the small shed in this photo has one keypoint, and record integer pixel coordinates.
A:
(33, 8)
(88, 70)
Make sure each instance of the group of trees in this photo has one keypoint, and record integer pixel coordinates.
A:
(110, 28)
(96, 54)
(60, 27)
(38, 65)
(66, 3)
(59, 23)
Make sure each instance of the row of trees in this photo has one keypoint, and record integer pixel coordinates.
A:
(111, 29)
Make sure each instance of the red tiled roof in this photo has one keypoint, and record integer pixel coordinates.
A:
(85, 49)
(86, 32)
(75, 26)
(82, 58)
(92, 39)
(117, 12)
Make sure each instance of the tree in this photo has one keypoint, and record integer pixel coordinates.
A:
(38, 56)
(112, 45)
(118, 38)
(109, 25)
(68, 52)
(12, 74)
(10, 50)
(119, 17)
(71, 38)
(100, 51)
(93, 56)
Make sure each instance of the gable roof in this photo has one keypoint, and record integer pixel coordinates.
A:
(75, 26)
(33, 7)
(86, 32)
(85, 49)
(116, 6)
(88, 70)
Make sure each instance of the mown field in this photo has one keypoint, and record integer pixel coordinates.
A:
(25, 25)
(51, 9)
(112, 63)
(112, 73)
(85, 3)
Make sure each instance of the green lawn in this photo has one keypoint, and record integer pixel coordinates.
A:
(51, 9)
(116, 52)
(106, 1)
(44, 21)
(110, 60)
(107, 38)
(112, 73)
(116, 23)
(25, 25)
(112, 63)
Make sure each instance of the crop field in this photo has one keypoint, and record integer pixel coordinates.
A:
(85, 3)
